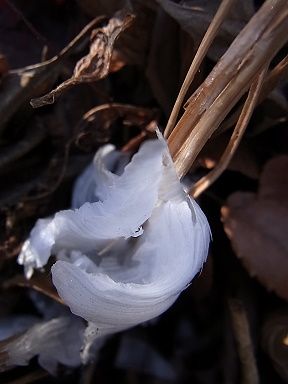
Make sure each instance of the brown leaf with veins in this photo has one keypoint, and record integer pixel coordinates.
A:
(257, 227)
(95, 65)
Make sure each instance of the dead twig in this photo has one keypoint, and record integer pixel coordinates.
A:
(252, 49)
(19, 85)
(206, 42)
(241, 329)
(274, 76)
(236, 137)
(95, 65)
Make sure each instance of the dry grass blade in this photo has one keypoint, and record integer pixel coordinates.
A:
(241, 329)
(253, 48)
(208, 38)
(236, 137)
(273, 78)
(278, 73)
(95, 65)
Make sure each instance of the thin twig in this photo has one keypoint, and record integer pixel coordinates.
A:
(242, 335)
(256, 45)
(278, 73)
(207, 40)
(236, 137)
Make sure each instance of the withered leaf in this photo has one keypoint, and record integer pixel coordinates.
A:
(257, 227)
(18, 86)
(95, 65)
(97, 123)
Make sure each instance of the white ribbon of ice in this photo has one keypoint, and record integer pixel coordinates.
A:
(125, 258)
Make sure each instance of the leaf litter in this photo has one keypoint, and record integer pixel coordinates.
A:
(118, 92)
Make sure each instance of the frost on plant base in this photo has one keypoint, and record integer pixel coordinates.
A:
(54, 341)
(125, 254)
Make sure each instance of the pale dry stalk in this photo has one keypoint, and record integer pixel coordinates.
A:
(241, 327)
(230, 79)
(206, 42)
(272, 79)
(236, 137)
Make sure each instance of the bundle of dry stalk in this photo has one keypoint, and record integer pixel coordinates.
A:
(45, 158)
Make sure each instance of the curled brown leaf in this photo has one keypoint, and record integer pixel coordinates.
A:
(95, 65)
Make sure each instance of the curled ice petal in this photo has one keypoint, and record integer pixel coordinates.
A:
(169, 254)
(11, 325)
(36, 250)
(98, 177)
(128, 203)
(55, 341)
(111, 272)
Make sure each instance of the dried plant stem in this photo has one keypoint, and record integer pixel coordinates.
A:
(273, 78)
(253, 48)
(236, 137)
(207, 40)
(241, 329)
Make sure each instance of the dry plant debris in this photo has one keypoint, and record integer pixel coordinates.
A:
(95, 65)
(229, 128)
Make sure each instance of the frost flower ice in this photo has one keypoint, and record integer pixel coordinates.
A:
(131, 244)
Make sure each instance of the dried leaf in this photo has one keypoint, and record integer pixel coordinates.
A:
(257, 227)
(95, 65)
(18, 86)
(96, 125)
(135, 43)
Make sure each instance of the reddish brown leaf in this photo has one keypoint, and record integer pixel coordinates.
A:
(257, 227)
